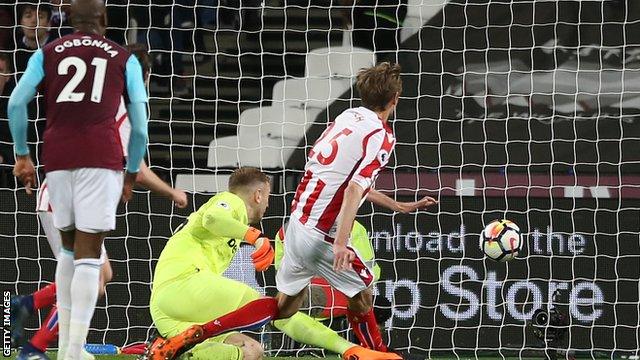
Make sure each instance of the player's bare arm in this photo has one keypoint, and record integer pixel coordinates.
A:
(149, 180)
(350, 204)
(383, 200)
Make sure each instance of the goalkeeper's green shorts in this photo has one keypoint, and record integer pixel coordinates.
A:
(197, 298)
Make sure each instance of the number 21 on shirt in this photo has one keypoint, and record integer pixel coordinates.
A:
(68, 93)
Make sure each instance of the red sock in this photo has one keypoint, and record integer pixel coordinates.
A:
(253, 315)
(337, 302)
(366, 328)
(44, 297)
(47, 333)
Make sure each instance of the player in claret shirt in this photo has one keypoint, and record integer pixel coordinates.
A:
(83, 77)
(340, 171)
(23, 306)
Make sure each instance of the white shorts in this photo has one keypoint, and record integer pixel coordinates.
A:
(53, 235)
(85, 199)
(309, 253)
(42, 203)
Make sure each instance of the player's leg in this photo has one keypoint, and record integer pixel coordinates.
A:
(64, 275)
(202, 298)
(260, 311)
(363, 321)
(307, 330)
(47, 334)
(291, 280)
(60, 190)
(91, 187)
(74, 195)
(297, 267)
(326, 302)
(177, 301)
(235, 346)
(53, 235)
(84, 288)
(304, 252)
(23, 306)
(48, 331)
(355, 284)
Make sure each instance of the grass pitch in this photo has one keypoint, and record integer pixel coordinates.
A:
(52, 355)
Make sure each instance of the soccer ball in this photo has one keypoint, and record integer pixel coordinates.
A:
(500, 240)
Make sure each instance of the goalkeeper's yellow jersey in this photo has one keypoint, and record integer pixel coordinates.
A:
(209, 239)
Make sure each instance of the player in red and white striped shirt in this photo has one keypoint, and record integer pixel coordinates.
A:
(341, 169)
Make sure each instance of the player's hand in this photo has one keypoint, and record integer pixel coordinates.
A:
(127, 187)
(179, 197)
(342, 257)
(25, 172)
(407, 207)
(263, 255)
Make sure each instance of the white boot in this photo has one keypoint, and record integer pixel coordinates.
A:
(85, 355)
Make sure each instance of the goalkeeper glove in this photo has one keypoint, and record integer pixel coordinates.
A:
(263, 255)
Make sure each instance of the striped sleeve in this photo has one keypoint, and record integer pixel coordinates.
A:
(372, 159)
(376, 153)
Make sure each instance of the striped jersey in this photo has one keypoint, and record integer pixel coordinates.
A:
(355, 147)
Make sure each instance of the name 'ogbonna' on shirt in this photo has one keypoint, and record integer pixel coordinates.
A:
(87, 41)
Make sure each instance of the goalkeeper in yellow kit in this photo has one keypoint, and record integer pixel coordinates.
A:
(188, 286)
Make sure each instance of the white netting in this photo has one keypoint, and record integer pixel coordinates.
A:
(523, 110)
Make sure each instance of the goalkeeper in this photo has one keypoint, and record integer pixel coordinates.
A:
(188, 286)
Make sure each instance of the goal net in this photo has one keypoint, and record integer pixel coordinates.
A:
(525, 110)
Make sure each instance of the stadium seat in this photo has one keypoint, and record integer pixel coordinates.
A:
(203, 183)
(337, 62)
(308, 93)
(271, 154)
(419, 12)
(267, 136)
(274, 122)
(291, 125)
(266, 154)
(223, 152)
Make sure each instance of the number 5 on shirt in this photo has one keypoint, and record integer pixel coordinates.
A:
(333, 142)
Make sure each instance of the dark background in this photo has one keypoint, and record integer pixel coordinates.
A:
(442, 125)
